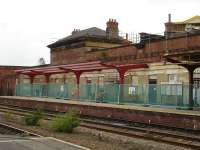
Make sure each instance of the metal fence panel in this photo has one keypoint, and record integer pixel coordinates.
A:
(165, 95)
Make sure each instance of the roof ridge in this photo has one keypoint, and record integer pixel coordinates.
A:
(90, 28)
(92, 31)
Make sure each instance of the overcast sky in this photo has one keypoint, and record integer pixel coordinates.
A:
(28, 26)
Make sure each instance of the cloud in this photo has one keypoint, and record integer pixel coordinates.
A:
(26, 27)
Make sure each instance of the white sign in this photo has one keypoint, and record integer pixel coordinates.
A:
(132, 90)
(62, 88)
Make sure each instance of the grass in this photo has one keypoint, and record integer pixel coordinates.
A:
(8, 116)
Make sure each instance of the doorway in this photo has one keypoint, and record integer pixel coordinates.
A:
(152, 91)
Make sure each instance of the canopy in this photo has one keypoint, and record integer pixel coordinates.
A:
(79, 68)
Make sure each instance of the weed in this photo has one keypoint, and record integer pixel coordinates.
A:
(34, 118)
(66, 122)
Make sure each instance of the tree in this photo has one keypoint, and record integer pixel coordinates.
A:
(41, 61)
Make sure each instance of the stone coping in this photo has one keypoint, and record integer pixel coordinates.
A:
(107, 105)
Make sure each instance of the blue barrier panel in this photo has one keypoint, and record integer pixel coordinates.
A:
(165, 95)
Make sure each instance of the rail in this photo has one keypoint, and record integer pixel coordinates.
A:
(148, 133)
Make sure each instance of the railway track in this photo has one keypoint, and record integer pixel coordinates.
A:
(154, 134)
(10, 130)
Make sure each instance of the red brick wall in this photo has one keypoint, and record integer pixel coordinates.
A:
(152, 52)
(168, 118)
(115, 55)
(7, 80)
(172, 27)
(65, 56)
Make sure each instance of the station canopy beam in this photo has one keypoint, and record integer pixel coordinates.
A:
(79, 68)
(189, 58)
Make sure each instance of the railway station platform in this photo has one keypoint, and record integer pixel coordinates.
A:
(185, 119)
(11, 142)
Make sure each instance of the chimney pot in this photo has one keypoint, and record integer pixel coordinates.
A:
(126, 36)
(112, 30)
(75, 31)
(169, 17)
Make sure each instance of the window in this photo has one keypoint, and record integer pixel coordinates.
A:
(172, 78)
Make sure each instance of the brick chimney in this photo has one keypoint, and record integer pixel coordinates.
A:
(112, 30)
(169, 26)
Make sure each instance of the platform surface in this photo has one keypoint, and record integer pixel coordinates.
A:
(131, 107)
(10, 142)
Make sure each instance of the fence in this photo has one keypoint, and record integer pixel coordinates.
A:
(167, 95)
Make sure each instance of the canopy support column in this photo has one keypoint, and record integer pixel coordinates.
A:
(47, 76)
(121, 72)
(80, 68)
(17, 81)
(191, 82)
(46, 87)
(31, 82)
(31, 78)
(78, 74)
(121, 75)
(190, 69)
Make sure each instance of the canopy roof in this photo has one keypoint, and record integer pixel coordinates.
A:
(77, 68)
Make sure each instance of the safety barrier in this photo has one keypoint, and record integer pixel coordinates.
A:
(166, 95)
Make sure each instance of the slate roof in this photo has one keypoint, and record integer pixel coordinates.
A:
(92, 32)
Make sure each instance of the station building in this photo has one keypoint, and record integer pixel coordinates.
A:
(8, 79)
(166, 73)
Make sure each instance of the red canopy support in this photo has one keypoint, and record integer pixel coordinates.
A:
(122, 69)
(121, 75)
(78, 75)
(47, 76)
(80, 68)
(31, 78)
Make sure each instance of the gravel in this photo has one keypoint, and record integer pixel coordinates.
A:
(96, 140)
